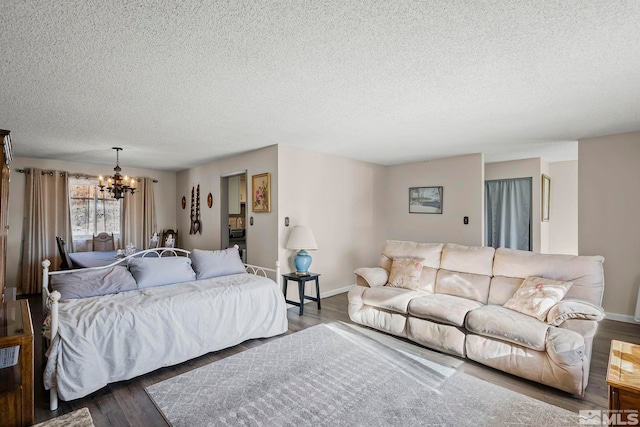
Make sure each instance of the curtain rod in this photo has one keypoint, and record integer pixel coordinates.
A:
(75, 175)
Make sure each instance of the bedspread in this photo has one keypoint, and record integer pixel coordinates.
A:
(117, 337)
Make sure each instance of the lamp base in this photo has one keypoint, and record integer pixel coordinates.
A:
(302, 261)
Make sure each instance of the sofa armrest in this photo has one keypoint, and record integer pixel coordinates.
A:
(574, 309)
(371, 276)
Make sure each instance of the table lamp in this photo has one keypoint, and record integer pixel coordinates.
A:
(301, 238)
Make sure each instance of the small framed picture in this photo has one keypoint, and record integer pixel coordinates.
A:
(546, 197)
(425, 200)
(261, 192)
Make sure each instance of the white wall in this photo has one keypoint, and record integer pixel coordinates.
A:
(463, 181)
(563, 215)
(532, 168)
(262, 236)
(609, 203)
(164, 193)
(343, 201)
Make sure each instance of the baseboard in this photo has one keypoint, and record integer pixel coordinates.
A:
(327, 294)
(620, 318)
(336, 291)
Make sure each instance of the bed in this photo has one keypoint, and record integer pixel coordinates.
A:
(104, 327)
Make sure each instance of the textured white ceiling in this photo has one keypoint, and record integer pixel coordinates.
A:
(177, 84)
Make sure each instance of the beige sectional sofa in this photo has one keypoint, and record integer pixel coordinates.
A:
(456, 306)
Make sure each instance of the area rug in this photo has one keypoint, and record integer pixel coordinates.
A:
(331, 375)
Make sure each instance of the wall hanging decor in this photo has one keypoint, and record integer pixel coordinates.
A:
(546, 197)
(261, 192)
(210, 200)
(196, 226)
(184, 202)
(425, 200)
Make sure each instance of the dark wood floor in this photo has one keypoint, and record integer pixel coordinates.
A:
(127, 404)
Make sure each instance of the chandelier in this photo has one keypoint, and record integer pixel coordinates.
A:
(117, 184)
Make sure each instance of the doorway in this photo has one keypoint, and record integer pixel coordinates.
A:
(507, 212)
(233, 215)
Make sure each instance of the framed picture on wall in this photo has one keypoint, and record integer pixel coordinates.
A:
(546, 195)
(425, 200)
(261, 192)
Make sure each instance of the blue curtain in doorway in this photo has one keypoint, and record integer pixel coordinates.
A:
(507, 205)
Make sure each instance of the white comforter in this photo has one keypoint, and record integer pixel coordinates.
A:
(116, 337)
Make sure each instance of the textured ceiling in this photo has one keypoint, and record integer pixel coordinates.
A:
(177, 84)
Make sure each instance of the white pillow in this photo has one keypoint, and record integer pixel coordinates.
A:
(536, 296)
(208, 264)
(161, 271)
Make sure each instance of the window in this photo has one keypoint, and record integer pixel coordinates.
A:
(92, 211)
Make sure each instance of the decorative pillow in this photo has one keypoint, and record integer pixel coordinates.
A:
(92, 283)
(150, 272)
(574, 309)
(209, 264)
(405, 273)
(537, 295)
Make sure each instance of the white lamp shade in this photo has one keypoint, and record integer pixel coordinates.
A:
(301, 238)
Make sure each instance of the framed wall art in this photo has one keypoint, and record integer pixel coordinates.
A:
(425, 200)
(261, 192)
(546, 197)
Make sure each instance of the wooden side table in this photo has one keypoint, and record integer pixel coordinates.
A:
(623, 377)
(16, 382)
(301, 282)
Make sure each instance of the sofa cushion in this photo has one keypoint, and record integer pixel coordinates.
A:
(585, 272)
(508, 325)
(537, 295)
(405, 273)
(502, 288)
(389, 298)
(445, 338)
(565, 347)
(429, 252)
(468, 259)
(471, 286)
(442, 308)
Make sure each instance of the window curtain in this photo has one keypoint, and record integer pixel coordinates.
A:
(507, 205)
(139, 216)
(46, 210)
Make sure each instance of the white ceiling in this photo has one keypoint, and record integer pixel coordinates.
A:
(177, 84)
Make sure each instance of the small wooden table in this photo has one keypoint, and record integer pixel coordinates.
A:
(623, 377)
(301, 282)
(16, 382)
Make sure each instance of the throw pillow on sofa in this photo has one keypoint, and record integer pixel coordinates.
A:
(536, 296)
(405, 273)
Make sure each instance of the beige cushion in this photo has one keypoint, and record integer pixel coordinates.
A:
(405, 273)
(507, 325)
(465, 285)
(373, 276)
(442, 308)
(537, 295)
(468, 259)
(573, 309)
(429, 252)
(585, 272)
(502, 288)
(445, 338)
(389, 298)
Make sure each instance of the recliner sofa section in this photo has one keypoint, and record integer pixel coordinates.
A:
(456, 307)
